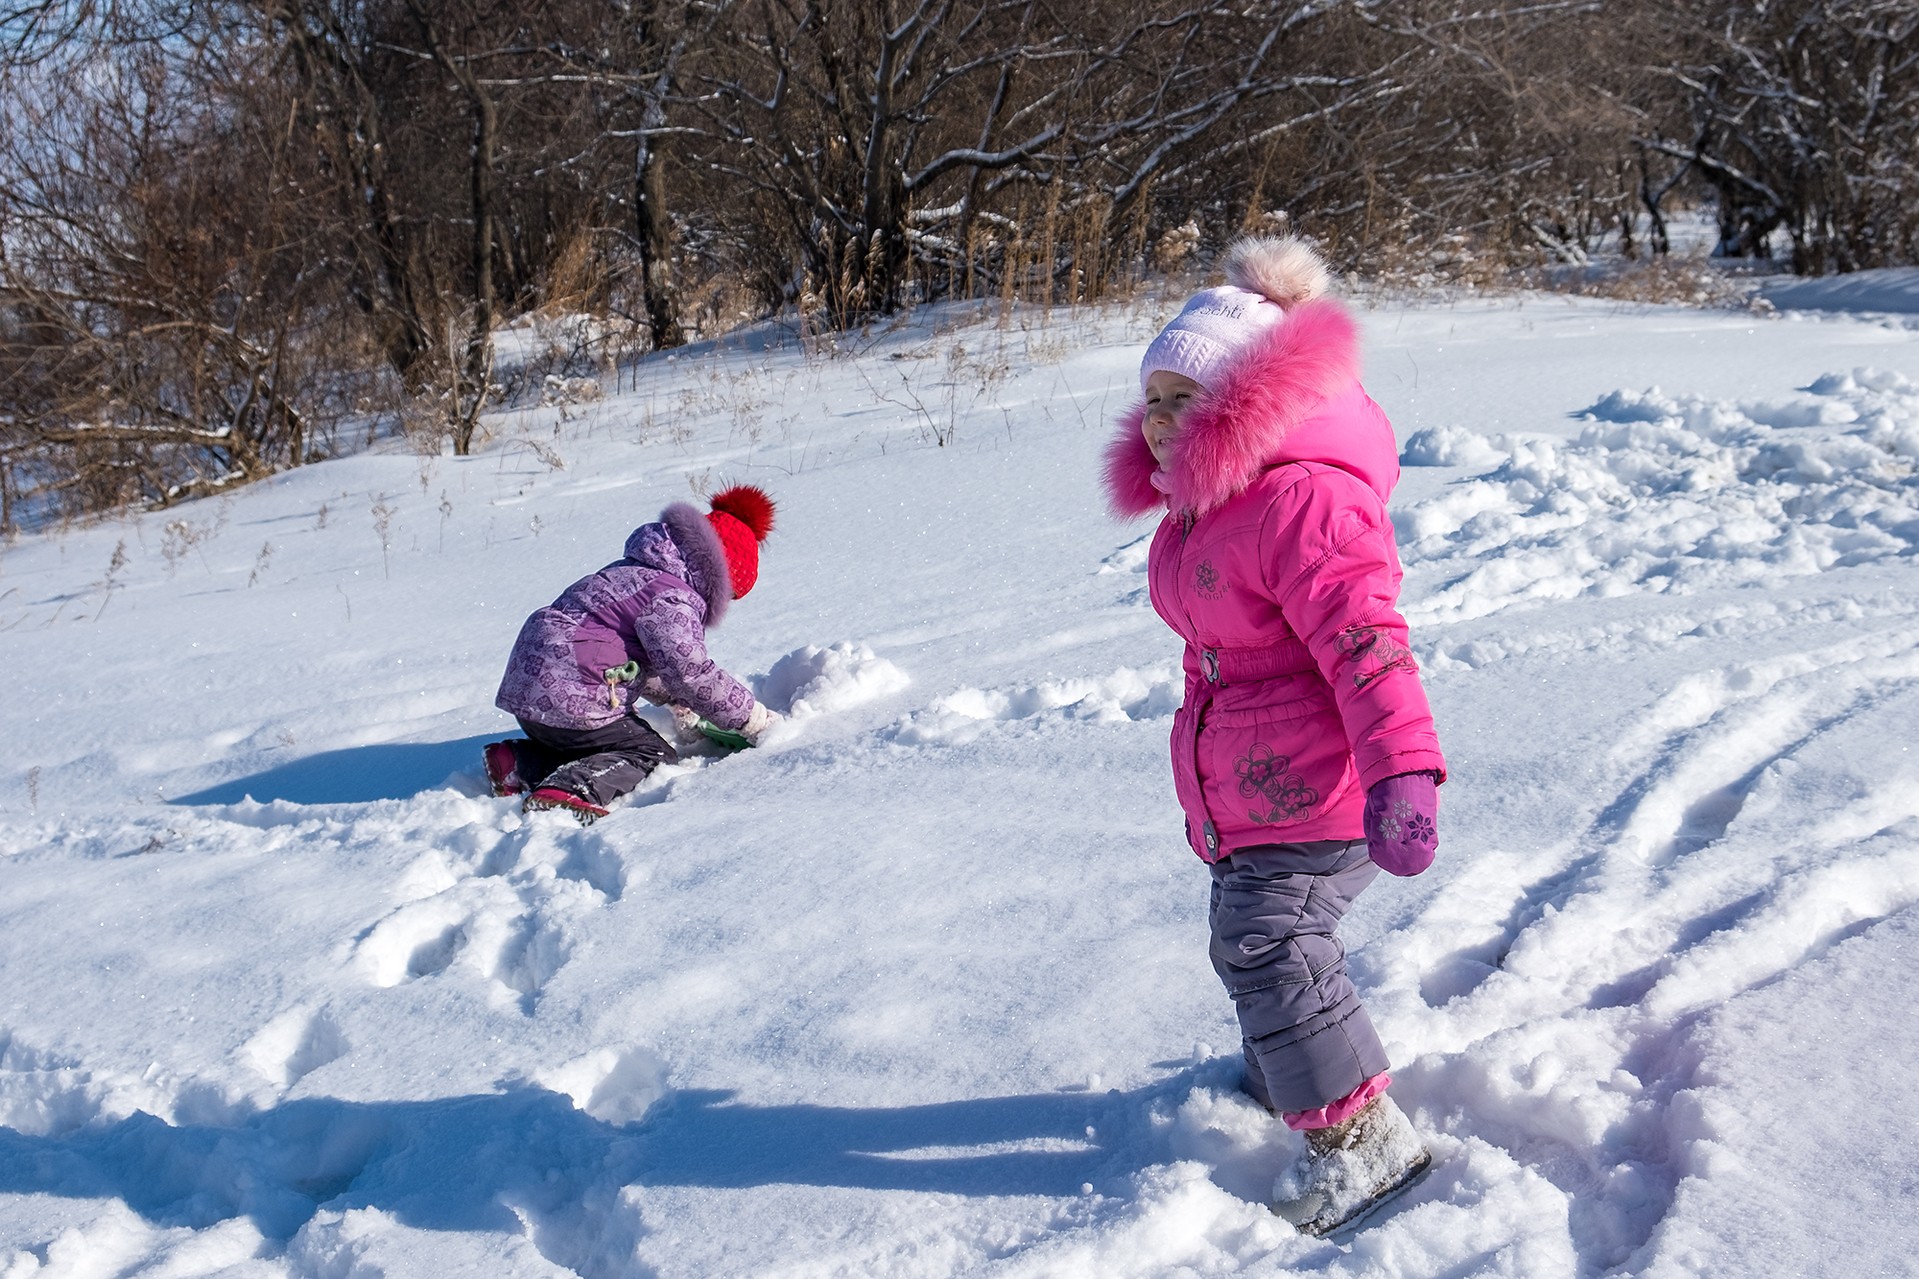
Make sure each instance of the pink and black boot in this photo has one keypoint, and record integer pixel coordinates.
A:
(584, 811)
(503, 770)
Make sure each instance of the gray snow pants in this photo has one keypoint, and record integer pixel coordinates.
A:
(1273, 910)
(597, 764)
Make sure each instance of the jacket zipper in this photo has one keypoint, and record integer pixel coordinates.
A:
(1209, 670)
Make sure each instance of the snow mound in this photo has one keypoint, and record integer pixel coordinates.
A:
(1124, 696)
(820, 681)
(1450, 446)
(1661, 493)
(612, 1086)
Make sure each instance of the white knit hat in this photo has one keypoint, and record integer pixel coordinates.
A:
(1266, 277)
(1213, 327)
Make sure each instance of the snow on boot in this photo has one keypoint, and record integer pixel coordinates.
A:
(503, 769)
(583, 810)
(1350, 1168)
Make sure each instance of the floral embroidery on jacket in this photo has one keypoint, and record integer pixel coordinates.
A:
(1207, 581)
(1263, 774)
(1374, 652)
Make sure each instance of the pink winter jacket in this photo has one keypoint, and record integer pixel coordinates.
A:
(1275, 563)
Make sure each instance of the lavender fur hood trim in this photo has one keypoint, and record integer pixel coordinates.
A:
(705, 557)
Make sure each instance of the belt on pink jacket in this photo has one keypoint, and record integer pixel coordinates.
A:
(1265, 661)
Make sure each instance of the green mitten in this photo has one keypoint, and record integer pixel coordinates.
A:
(730, 739)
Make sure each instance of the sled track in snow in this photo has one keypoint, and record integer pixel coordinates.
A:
(1708, 875)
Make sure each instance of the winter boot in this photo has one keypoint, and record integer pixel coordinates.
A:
(503, 770)
(1350, 1168)
(583, 810)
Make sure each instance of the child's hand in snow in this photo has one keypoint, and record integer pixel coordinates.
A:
(761, 722)
(1401, 823)
(686, 725)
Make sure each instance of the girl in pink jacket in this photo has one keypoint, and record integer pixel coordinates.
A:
(1304, 754)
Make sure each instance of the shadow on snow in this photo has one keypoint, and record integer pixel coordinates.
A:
(354, 775)
(475, 1162)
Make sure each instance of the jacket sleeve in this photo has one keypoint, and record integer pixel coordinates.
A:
(672, 632)
(1333, 568)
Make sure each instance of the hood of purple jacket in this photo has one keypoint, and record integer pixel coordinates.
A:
(682, 542)
(1291, 396)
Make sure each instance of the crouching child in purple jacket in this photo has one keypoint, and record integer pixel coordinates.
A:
(1304, 752)
(634, 631)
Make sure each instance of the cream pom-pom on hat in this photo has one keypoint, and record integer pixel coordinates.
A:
(1265, 277)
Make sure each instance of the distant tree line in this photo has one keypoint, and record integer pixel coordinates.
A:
(231, 228)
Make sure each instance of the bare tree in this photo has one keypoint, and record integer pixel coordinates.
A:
(1804, 119)
(439, 239)
(960, 138)
(216, 216)
(151, 302)
(472, 368)
(829, 110)
(332, 51)
(631, 57)
(660, 41)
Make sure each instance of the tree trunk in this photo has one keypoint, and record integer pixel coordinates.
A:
(476, 375)
(472, 378)
(654, 230)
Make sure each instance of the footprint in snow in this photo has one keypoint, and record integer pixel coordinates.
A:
(1130, 558)
(295, 1044)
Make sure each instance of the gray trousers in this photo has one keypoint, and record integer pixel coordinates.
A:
(597, 764)
(1273, 911)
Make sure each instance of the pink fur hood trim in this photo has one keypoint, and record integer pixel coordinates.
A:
(1272, 405)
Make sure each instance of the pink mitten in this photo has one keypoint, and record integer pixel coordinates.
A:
(1401, 816)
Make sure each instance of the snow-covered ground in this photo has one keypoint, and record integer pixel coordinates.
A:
(1889, 290)
(921, 989)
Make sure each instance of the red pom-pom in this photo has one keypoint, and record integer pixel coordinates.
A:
(748, 504)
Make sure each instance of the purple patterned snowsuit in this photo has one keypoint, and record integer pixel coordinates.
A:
(569, 681)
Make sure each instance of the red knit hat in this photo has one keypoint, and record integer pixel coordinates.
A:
(742, 516)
